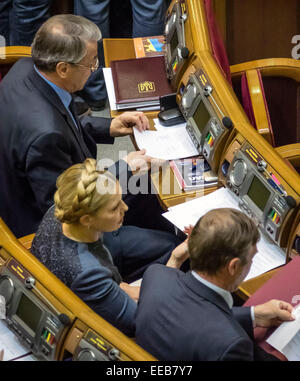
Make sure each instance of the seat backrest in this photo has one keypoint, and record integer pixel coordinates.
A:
(9, 55)
(217, 43)
(255, 104)
(283, 99)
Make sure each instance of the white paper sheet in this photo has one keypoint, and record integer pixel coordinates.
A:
(269, 255)
(110, 87)
(160, 127)
(9, 342)
(168, 144)
(286, 338)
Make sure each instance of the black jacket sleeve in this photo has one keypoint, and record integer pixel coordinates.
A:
(43, 167)
(97, 128)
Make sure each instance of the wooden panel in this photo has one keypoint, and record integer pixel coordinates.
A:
(258, 105)
(270, 67)
(62, 6)
(26, 241)
(118, 49)
(249, 287)
(260, 29)
(10, 54)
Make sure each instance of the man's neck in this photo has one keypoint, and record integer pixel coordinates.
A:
(52, 77)
(218, 280)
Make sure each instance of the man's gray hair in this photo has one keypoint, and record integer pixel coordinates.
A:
(62, 38)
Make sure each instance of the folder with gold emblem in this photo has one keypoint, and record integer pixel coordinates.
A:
(139, 82)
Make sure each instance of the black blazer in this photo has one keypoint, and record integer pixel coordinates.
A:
(38, 141)
(181, 319)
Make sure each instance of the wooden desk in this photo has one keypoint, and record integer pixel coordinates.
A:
(120, 49)
(168, 190)
(249, 287)
(166, 186)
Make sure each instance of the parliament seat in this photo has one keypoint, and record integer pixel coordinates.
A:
(217, 44)
(291, 153)
(56, 296)
(269, 91)
(9, 55)
(270, 94)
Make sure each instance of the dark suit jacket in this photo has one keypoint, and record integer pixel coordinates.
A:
(179, 318)
(38, 141)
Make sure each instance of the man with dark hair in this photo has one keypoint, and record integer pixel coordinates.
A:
(190, 316)
(40, 133)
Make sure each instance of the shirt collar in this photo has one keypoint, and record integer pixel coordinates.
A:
(63, 95)
(224, 293)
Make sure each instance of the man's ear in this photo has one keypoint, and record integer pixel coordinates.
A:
(234, 266)
(62, 69)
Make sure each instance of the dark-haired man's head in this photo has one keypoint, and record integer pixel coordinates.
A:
(222, 246)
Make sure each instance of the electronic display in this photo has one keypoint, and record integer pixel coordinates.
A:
(29, 313)
(258, 193)
(174, 42)
(201, 116)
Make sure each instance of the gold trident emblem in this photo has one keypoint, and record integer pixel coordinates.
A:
(146, 87)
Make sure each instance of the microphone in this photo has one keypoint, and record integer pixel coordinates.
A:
(64, 319)
(291, 201)
(227, 122)
(184, 51)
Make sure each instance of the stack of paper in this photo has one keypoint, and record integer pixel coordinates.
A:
(286, 338)
(13, 348)
(169, 144)
(269, 255)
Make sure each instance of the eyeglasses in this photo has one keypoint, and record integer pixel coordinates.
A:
(92, 68)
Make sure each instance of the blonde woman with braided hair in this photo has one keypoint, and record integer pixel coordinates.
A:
(82, 241)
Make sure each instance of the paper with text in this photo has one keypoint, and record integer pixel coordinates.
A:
(161, 127)
(269, 255)
(13, 348)
(167, 144)
(286, 338)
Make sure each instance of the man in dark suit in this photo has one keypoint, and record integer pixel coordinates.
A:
(40, 133)
(189, 316)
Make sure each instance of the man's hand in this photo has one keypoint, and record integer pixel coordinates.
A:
(141, 163)
(132, 291)
(179, 255)
(123, 124)
(272, 313)
(188, 230)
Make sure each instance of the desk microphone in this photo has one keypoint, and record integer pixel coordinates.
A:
(184, 51)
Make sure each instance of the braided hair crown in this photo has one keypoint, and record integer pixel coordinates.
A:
(80, 192)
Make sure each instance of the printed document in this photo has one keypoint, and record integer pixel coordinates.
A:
(286, 338)
(13, 348)
(161, 127)
(166, 144)
(269, 255)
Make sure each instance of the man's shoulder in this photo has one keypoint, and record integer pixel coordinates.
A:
(19, 71)
(158, 269)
